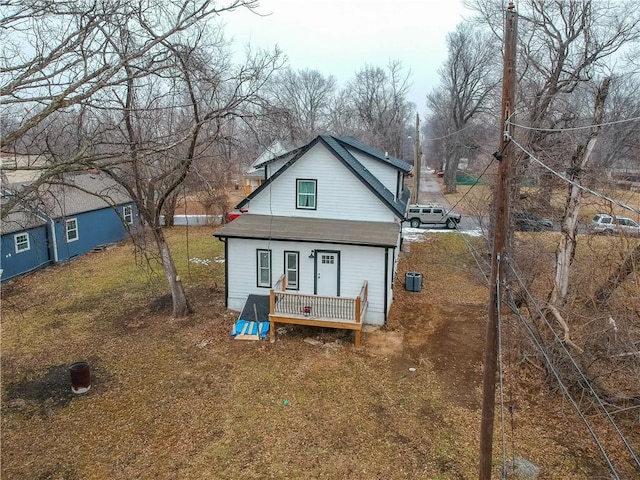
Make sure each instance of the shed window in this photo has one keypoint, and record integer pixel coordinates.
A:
(306, 194)
(127, 214)
(264, 268)
(22, 242)
(72, 230)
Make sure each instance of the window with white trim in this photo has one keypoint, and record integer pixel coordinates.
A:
(72, 230)
(127, 214)
(264, 268)
(306, 194)
(22, 242)
(291, 267)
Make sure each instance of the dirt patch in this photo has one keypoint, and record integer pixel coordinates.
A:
(384, 343)
(455, 349)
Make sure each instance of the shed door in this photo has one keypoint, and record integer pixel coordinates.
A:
(327, 270)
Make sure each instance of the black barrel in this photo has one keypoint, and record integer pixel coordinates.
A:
(80, 377)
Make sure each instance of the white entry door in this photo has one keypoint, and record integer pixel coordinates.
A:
(327, 267)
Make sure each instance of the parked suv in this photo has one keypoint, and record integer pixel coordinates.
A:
(608, 225)
(432, 215)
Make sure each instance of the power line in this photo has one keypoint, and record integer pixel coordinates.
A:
(449, 134)
(564, 388)
(471, 188)
(569, 129)
(575, 364)
(575, 184)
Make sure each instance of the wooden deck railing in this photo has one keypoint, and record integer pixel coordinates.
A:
(316, 310)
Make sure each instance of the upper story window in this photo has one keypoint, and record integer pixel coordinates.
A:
(306, 194)
(21, 241)
(127, 214)
(72, 230)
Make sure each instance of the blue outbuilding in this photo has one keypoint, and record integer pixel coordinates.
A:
(60, 221)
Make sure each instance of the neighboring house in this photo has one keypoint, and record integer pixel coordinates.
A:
(60, 222)
(321, 238)
(20, 168)
(254, 177)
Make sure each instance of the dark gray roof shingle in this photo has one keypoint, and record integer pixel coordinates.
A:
(303, 229)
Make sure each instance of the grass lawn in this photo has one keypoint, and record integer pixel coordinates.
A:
(181, 399)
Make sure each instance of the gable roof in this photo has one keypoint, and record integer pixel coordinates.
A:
(79, 193)
(375, 153)
(338, 149)
(276, 149)
(289, 154)
(18, 220)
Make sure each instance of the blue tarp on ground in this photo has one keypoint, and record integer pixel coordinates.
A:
(250, 329)
(254, 319)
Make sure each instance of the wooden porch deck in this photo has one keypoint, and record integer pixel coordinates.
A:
(316, 311)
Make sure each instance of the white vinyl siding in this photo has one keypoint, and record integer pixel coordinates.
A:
(341, 195)
(22, 242)
(264, 268)
(274, 166)
(357, 264)
(387, 174)
(72, 230)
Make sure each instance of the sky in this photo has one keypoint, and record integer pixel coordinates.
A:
(339, 37)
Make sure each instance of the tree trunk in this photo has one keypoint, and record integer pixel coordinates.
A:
(181, 307)
(450, 172)
(566, 248)
(169, 210)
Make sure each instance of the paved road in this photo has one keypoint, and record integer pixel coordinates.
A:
(430, 192)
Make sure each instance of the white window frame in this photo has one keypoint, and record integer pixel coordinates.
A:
(69, 229)
(260, 267)
(127, 214)
(22, 242)
(313, 195)
(292, 285)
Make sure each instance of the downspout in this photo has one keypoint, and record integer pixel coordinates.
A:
(226, 272)
(54, 240)
(386, 283)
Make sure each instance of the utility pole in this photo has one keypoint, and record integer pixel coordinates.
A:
(504, 156)
(416, 158)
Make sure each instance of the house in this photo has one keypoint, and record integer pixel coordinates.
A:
(321, 238)
(21, 168)
(254, 177)
(60, 221)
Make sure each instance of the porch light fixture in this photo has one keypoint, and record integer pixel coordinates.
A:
(312, 254)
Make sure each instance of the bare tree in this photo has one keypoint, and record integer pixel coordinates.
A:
(59, 54)
(619, 145)
(561, 45)
(468, 80)
(569, 226)
(377, 98)
(306, 97)
(150, 86)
